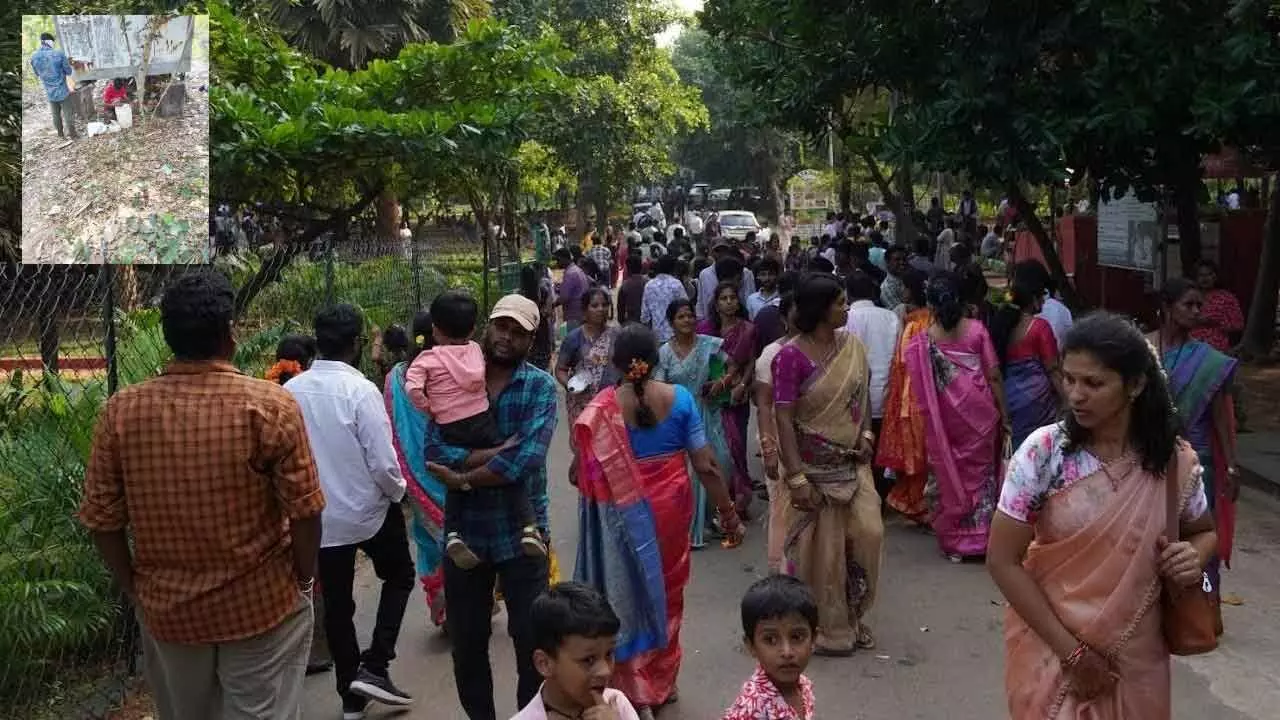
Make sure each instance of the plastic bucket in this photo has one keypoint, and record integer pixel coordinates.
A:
(124, 116)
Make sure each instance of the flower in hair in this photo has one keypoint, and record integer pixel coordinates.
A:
(420, 340)
(282, 368)
(639, 370)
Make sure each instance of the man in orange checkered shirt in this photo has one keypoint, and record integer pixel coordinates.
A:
(211, 473)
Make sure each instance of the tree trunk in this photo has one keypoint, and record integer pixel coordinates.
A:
(582, 206)
(127, 293)
(602, 214)
(388, 223)
(845, 167)
(1186, 199)
(1047, 249)
(901, 214)
(1260, 329)
(906, 232)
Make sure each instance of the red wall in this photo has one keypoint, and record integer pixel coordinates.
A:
(1124, 291)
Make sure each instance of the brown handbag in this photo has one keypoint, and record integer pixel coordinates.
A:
(1187, 613)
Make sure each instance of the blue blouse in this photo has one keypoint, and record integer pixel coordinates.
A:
(682, 430)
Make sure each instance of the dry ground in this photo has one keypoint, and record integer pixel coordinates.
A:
(137, 196)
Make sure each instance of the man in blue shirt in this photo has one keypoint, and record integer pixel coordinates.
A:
(53, 69)
(523, 400)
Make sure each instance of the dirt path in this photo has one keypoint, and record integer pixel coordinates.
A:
(136, 196)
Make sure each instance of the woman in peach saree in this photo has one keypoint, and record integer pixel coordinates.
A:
(1079, 547)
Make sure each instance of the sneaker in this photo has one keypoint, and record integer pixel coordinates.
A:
(532, 543)
(459, 553)
(380, 688)
(353, 706)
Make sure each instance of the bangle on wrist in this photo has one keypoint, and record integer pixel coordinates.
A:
(795, 481)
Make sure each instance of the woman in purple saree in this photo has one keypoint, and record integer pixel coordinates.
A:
(956, 378)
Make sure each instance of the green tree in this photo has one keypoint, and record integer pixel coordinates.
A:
(317, 145)
(348, 33)
(740, 146)
(618, 128)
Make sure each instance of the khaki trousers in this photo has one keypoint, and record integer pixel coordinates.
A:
(258, 678)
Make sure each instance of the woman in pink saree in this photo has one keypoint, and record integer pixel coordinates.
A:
(1079, 545)
(955, 377)
(727, 320)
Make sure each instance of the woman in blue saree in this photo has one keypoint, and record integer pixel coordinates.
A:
(1028, 355)
(409, 430)
(694, 362)
(633, 444)
(1200, 379)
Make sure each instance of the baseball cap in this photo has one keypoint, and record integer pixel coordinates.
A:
(518, 308)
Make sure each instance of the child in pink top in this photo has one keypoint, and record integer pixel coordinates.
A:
(779, 624)
(446, 381)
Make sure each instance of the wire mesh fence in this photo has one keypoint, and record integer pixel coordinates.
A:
(72, 335)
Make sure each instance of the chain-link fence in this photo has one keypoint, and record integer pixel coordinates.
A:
(70, 336)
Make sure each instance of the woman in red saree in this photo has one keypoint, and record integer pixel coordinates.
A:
(1079, 545)
(727, 320)
(901, 448)
(631, 444)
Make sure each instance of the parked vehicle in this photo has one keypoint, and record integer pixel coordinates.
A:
(735, 224)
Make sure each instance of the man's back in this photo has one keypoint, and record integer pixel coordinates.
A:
(878, 329)
(52, 67)
(350, 433)
(204, 465)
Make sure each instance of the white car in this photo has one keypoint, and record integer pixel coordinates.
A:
(735, 224)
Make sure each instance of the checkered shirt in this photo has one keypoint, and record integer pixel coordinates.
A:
(603, 257)
(205, 466)
(527, 408)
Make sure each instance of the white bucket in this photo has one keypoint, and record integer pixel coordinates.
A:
(124, 116)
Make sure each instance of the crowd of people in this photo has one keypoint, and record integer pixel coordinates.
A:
(879, 378)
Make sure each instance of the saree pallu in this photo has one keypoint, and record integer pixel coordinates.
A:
(633, 546)
(1030, 397)
(1094, 558)
(836, 549)
(408, 435)
(739, 349)
(1197, 375)
(962, 423)
(692, 372)
(901, 447)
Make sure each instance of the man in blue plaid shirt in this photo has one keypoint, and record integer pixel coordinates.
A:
(523, 400)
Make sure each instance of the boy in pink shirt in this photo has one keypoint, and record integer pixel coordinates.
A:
(446, 381)
(779, 623)
(574, 634)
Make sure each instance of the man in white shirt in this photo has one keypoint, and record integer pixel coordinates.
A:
(768, 272)
(946, 238)
(727, 266)
(878, 329)
(693, 223)
(350, 436)
(656, 212)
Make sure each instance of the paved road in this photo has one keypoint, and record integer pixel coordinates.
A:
(938, 627)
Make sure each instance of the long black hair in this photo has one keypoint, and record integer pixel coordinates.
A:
(1006, 319)
(713, 310)
(636, 344)
(1116, 343)
(298, 348)
(945, 296)
(814, 296)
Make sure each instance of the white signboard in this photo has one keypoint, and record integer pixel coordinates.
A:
(1128, 234)
(109, 46)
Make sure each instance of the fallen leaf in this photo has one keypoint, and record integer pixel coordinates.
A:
(1232, 599)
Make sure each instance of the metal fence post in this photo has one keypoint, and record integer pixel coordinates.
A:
(417, 274)
(109, 321)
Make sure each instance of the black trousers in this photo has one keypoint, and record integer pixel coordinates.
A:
(389, 551)
(469, 596)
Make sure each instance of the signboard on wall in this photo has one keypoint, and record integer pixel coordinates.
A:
(1128, 234)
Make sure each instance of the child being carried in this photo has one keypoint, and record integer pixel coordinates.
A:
(447, 383)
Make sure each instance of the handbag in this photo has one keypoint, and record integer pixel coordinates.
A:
(1187, 620)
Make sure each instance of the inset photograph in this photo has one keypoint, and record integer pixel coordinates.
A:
(115, 139)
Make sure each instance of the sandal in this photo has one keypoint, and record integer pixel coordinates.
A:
(865, 641)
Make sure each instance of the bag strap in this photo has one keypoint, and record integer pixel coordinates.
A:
(1173, 489)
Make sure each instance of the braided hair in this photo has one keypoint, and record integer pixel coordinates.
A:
(635, 355)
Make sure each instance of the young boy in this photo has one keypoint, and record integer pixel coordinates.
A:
(447, 383)
(574, 633)
(779, 622)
